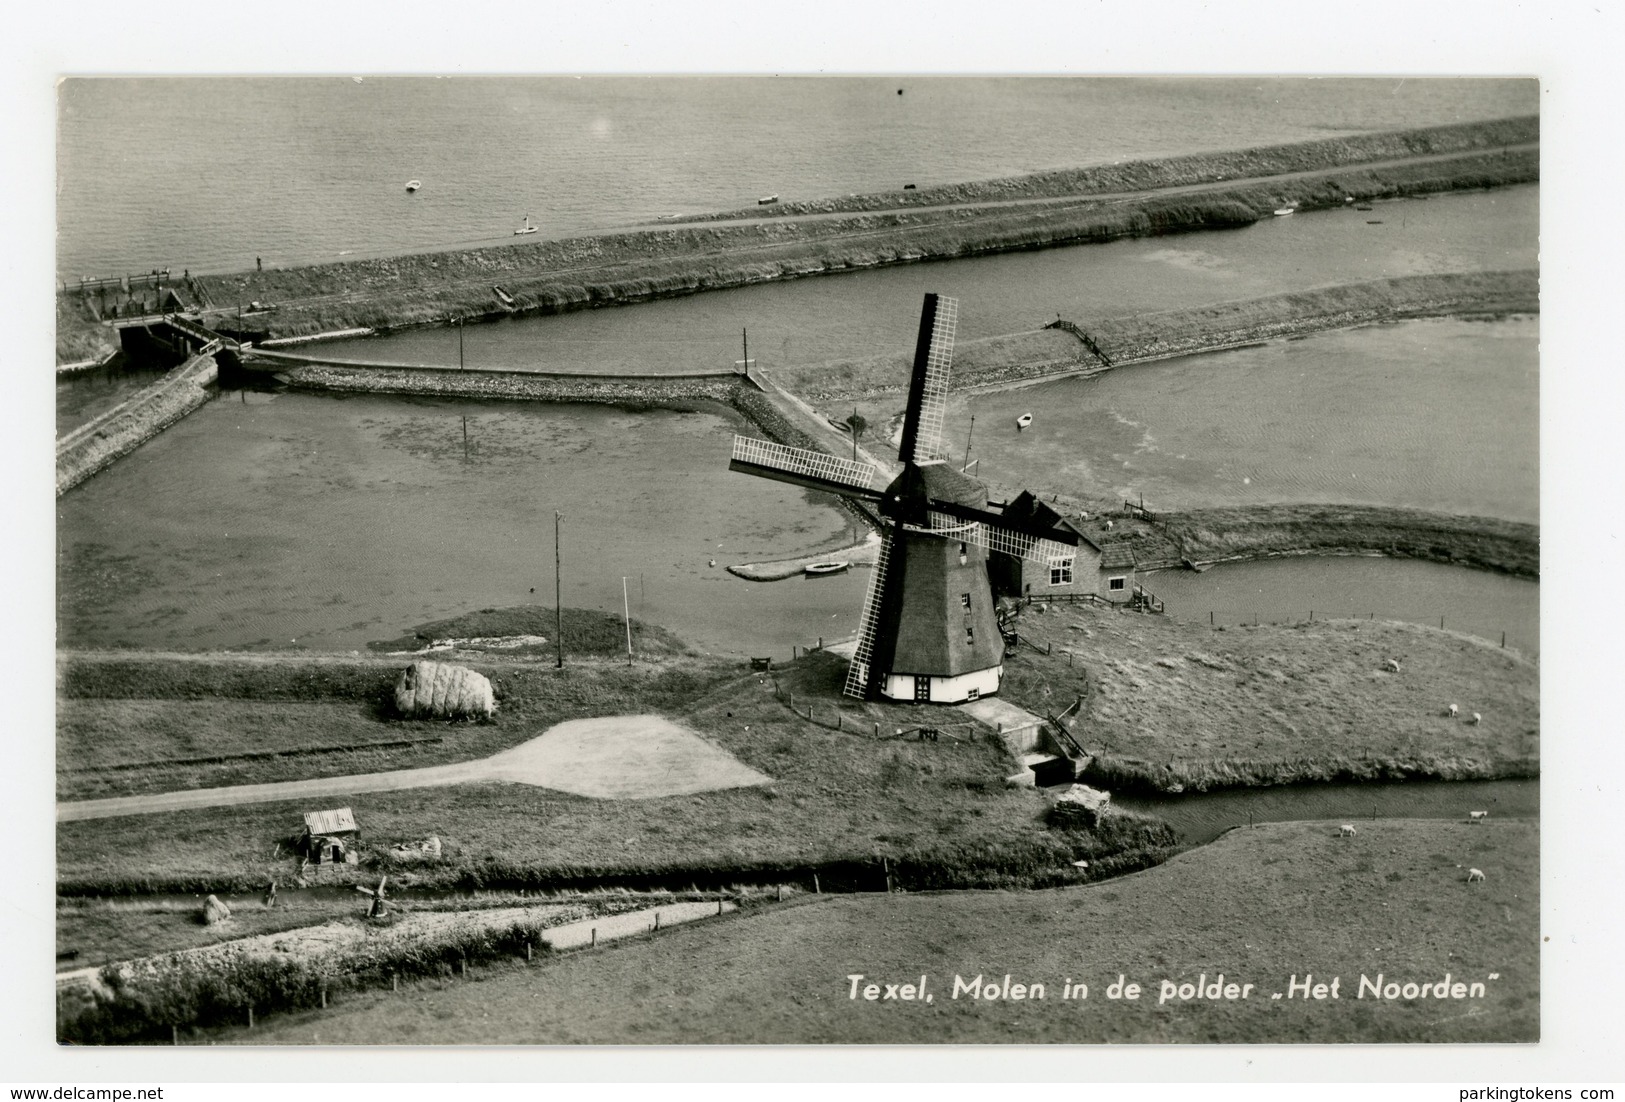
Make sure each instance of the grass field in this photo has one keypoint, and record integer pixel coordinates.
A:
(1284, 900)
(1177, 704)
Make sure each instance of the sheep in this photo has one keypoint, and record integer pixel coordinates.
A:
(1476, 719)
(1478, 814)
(1451, 711)
(1346, 830)
(1474, 875)
(1391, 666)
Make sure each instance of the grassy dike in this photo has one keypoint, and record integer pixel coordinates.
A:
(605, 269)
(1186, 171)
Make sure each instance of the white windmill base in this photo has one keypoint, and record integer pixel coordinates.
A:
(943, 690)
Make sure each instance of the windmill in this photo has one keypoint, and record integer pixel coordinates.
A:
(375, 909)
(929, 632)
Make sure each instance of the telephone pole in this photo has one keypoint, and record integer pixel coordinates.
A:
(558, 603)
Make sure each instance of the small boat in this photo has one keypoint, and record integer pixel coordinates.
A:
(1284, 211)
(1373, 221)
(766, 199)
(528, 227)
(1024, 420)
(1362, 208)
(813, 569)
(413, 185)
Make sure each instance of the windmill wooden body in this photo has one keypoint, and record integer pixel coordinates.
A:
(929, 630)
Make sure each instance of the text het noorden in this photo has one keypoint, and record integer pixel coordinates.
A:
(983, 987)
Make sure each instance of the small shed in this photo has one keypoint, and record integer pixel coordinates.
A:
(329, 837)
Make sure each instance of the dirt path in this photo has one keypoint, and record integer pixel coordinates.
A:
(612, 757)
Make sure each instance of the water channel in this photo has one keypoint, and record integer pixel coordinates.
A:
(858, 314)
(278, 520)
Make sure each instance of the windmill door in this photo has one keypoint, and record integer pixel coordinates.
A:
(922, 690)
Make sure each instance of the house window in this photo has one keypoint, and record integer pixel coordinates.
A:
(1116, 584)
(1060, 572)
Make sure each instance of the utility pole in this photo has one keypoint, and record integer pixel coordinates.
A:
(744, 364)
(558, 604)
(459, 344)
(626, 610)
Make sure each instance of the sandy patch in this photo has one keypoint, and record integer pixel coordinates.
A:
(621, 758)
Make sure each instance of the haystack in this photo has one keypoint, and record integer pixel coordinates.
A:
(214, 910)
(440, 690)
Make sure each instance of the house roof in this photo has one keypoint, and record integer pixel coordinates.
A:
(336, 821)
(1030, 507)
(1116, 556)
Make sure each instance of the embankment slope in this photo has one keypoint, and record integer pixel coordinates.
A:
(552, 276)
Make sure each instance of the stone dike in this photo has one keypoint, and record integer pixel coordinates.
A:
(117, 433)
(1060, 350)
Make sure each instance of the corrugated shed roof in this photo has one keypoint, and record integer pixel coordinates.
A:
(336, 821)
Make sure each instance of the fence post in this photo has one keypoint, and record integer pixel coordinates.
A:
(594, 933)
(324, 998)
(885, 867)
(1503, 640)
(877, 728)
(174, 1034)
(250, 1015)
(394, 981)
(657, 918)
(816, 889)
(719, 904)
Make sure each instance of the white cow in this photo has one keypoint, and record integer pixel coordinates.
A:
(1477, 719)
(1474, 875)
(1346, 830)
(1451, 711)
(1478, 814)
(1391, 666)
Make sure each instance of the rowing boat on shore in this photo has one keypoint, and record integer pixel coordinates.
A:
(814, 569)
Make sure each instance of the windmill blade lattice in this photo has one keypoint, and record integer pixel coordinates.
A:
(802, 462)
(991, 537)
(934, 395)
(857, 673)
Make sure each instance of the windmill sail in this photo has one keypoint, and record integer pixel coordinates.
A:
(994, 537)
(802, 466)
(857, 674)
(928, 386)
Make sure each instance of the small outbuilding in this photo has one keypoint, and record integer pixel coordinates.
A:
(329, 837)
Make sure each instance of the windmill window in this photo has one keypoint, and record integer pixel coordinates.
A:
(1060, 572)
(1116, 583)
(964, 599)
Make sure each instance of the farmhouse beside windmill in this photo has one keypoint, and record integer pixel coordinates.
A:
(929, 632)
(1095, 566)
